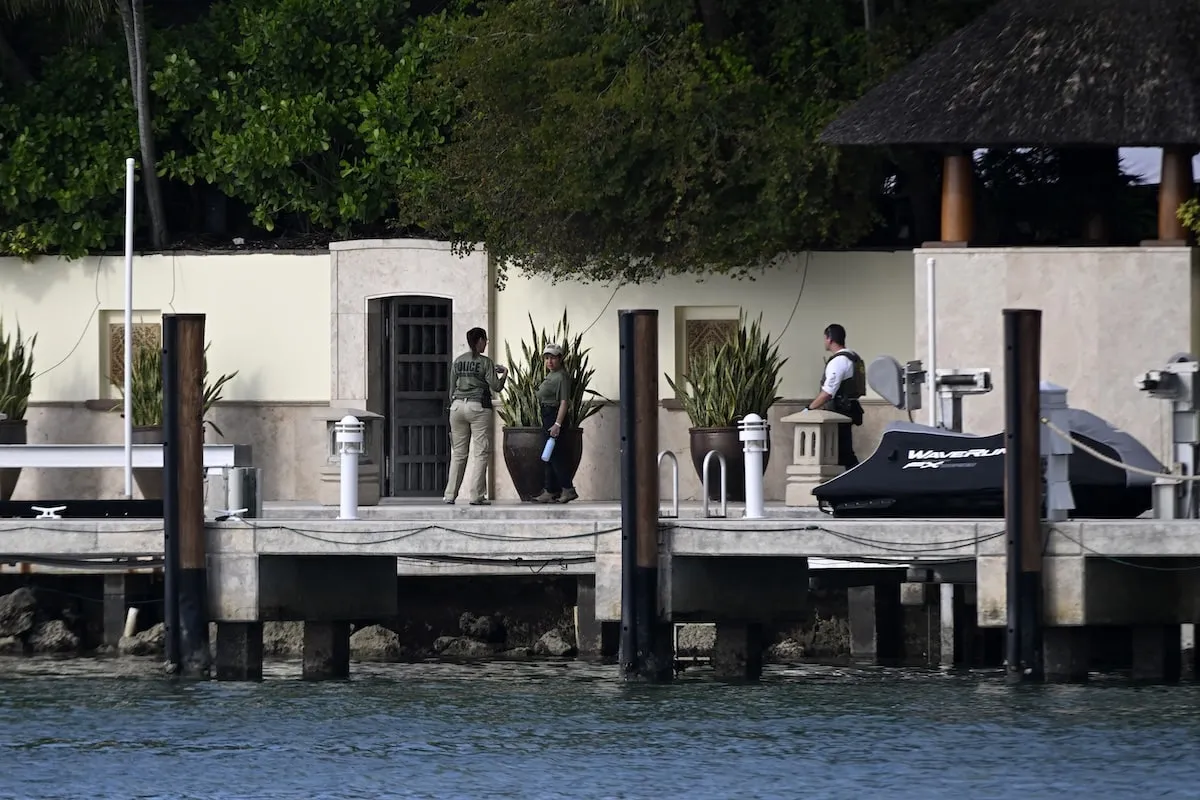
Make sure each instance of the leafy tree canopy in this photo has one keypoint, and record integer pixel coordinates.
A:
(632, 145)
(304, 107)
(582, 139)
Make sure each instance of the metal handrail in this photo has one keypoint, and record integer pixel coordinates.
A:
(674, 484)
(724, 483)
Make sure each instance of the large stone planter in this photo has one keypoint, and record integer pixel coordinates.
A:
(149, 481)
(724, 441)
(12, 431)
(523, 457)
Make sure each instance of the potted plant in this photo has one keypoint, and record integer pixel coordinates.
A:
(523, 435)
(724, 383)
(147, 397)
(16, 382)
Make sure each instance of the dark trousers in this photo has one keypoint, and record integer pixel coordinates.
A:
(846, 457)
(557, 478)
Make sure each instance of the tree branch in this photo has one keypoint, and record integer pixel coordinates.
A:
(12, 67)
(717, 25)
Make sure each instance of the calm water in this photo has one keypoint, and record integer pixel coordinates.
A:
(72, 730)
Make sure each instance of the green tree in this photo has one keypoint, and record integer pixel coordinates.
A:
(306, 108)
(63, 144)
(600, 145)
(91, 14)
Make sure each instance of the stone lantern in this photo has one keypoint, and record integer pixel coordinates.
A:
(329, 493)
(814, 454)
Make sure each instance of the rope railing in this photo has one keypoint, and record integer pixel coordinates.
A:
(1096, 454)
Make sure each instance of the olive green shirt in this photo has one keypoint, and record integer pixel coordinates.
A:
(471, 374)
(555, 388)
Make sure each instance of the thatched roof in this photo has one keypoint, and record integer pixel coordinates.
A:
(1045, 72)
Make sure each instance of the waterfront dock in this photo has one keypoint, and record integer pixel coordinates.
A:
(299, 563)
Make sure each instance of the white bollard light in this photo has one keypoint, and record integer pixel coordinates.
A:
(348, 433)
(753, 432)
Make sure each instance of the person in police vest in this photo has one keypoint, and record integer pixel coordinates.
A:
(844, 383)
(474, 380)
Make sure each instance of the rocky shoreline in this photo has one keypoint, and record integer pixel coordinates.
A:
(30, 625)
(47, 621)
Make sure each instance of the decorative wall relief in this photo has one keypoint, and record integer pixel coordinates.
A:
(700, 334)
(145, 334)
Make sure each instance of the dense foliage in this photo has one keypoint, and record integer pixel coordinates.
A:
(576, 138)
(63, 144)
(630, 146)
(305, 107)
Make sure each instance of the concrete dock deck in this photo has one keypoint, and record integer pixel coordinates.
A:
(1096, 571)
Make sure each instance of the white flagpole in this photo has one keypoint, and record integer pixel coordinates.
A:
(931, 370)
(129, 189)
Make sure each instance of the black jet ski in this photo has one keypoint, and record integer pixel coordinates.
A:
(921, 471)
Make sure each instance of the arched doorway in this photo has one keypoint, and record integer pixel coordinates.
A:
(409, 341)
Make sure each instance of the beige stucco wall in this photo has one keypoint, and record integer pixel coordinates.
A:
(265, 318)
(295, 326)
(263, 299)
(1109, 315)
(870, 293)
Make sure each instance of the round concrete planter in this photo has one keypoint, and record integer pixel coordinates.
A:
(724, 441)
(149, 481)
(523, 457)
(12, 431)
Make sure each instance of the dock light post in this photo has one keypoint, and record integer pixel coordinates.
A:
(753, 430)
(349, 436)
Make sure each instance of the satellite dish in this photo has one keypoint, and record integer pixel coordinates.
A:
(886, 376)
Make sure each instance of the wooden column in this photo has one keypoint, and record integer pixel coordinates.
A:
(645, 652)
(958, 197)
(1023, 491)
(183, 491)
(1175, 187)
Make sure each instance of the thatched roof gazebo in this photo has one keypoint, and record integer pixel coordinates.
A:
(1057, 73)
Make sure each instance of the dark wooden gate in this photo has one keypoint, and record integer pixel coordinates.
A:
(417, 339)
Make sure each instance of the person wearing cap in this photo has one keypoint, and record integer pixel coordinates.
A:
(474, 380)
(554, 397)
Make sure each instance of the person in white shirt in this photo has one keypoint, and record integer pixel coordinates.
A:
(843, 384)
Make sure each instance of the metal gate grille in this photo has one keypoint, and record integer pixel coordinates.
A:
(417, 337)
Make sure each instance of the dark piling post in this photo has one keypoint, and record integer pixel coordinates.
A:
(1023, 491)
(183, 404)
(170, 423)
(645, 639)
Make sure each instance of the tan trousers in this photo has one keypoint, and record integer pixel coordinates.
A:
(470, 435)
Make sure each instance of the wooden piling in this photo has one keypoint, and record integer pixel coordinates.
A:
(183, 404)
(645, 636)
(1023, 491)
(170, 491)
